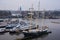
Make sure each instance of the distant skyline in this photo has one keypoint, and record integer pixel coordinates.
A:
(26, 4)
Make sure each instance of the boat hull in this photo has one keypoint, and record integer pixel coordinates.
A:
(33, 34)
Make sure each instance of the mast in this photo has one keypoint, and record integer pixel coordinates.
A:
(38, 13)
(43, 15)
(31, 13)
(43, 25)
(37, 25)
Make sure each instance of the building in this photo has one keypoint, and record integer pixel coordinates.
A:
(5, 14)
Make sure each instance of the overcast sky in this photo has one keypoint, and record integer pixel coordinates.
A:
(26, 4)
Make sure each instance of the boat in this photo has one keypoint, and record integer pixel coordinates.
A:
(12, 27)
(25, 25)
(9, 28)
(2, 26)
(36, 31)
(18, 28)
(2, 23)
(2, 30)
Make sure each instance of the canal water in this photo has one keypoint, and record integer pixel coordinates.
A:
(54, 27)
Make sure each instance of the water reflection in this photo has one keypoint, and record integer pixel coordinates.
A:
(2, 33)
(14, 33)
(33, 38)
(19, 36)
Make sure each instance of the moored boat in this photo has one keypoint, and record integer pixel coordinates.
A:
(2, 30)
(36, 31)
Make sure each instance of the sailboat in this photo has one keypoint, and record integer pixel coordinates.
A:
(35, 32)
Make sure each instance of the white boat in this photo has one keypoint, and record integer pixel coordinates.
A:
(2, 30)
(2, 25)
(25, 25)
(10, 27)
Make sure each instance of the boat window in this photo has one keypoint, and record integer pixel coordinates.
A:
(9, 27)
(12, 25)
(23, 23)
